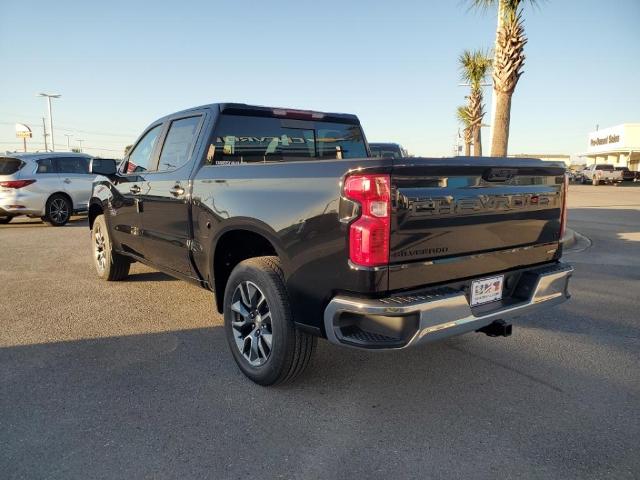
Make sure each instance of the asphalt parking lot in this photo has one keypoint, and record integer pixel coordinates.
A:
(134, 379)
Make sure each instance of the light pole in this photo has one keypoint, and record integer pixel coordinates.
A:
(68, 135)
(79, 140)
(49, 96)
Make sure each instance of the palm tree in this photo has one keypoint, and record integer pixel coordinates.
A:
(465, 119)
(507, 65)
(474, 67)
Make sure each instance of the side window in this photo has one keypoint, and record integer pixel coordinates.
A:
(45, 166)
(140, 157)
(178, 143)
(76, 165)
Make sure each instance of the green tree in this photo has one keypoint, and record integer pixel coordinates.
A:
(467, 133)
(508, 61)
(127, 149)
(474, 67)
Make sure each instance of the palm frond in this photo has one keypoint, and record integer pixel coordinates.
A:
(463, 115)
(513, 5)
(474, 67)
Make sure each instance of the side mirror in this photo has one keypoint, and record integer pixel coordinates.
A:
(103, 166)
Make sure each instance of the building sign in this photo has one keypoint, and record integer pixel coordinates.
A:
(606, 139)
(22, 131)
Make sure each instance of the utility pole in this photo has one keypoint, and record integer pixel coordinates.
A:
(79, 140)
(44, 133)
(68, 135)
(49, 96)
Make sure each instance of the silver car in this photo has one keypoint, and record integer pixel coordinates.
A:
(51, 186)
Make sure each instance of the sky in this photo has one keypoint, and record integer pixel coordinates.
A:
(119, 65)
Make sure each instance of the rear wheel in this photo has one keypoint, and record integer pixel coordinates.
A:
(258, 324)
(5, 220)
(111, 266)
(57, 210)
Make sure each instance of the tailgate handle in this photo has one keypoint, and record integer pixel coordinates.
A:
(499, 174)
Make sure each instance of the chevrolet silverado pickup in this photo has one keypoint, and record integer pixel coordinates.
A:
(299, 233)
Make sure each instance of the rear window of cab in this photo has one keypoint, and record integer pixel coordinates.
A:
(242, 139)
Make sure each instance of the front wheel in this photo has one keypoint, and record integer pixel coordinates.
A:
(110, 265)
(258, 324)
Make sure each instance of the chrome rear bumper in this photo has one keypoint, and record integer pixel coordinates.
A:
(402, 321)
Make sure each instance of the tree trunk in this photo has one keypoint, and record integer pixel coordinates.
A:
(477, 142)
(500, 140)
(467, 149)
(495, 49)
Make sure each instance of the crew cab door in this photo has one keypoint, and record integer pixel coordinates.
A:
(125, 208)
(166, 216)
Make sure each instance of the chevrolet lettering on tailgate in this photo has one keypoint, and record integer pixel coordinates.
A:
(483, 204)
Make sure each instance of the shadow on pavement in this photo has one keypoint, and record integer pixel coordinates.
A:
(153, 276)
(25, 222)
(173, 404)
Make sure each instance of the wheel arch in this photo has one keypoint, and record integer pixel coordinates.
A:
(95, 209)
(235, 244)
(61, 193)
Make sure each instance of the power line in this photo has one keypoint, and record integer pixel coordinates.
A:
(70, 129)
(84, 146)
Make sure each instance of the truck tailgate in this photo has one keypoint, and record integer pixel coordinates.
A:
(459, 217)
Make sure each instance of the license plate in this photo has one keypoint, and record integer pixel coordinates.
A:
(486, 290)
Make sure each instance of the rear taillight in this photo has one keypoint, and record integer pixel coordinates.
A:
(563, 218)
(369, 233)
(16, 183)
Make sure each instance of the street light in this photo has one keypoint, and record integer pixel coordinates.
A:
(68, 135)
(49, 96)
(80, 140)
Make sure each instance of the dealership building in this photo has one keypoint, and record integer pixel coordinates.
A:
(619, 146)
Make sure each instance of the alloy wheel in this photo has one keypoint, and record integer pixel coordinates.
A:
(58, 210)
(100, 248)
(251, 323)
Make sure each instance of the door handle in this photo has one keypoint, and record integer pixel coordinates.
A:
(135, 189)
(66, 180)
(177, 191)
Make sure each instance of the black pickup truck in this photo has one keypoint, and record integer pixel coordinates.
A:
(300, 234)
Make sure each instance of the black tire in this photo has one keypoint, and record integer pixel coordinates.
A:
(58, 210)
(290, 350)
(110, 266)
(5, 220)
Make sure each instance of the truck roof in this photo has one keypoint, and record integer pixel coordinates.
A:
(261, 110)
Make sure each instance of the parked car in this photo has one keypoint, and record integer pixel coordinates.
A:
(387, 150)
(601, 173)
(299, 234)
(627, 175)
(51, 186)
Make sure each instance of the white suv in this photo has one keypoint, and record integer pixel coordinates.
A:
(51, 186)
